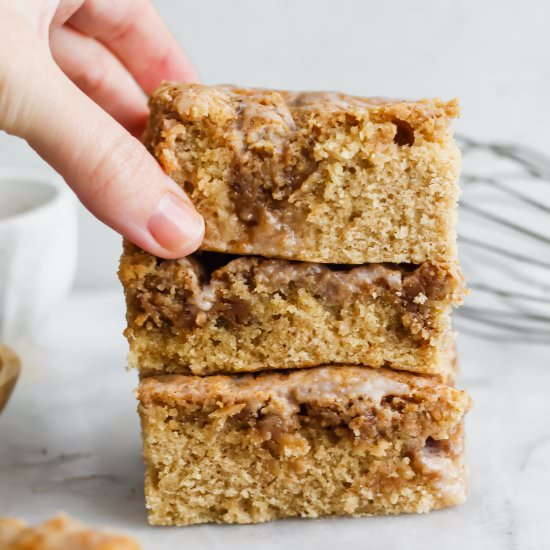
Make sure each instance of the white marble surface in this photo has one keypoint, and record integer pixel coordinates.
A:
(69, 440)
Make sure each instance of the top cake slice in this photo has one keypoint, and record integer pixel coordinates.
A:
(320, 177)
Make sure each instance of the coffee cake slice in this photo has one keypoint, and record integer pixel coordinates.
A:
(59, 533)
(210, 313)
(319, 177)
(315, 442)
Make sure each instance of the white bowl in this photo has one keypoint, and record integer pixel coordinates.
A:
(38, 250)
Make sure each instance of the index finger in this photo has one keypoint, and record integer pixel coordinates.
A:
(136, 34)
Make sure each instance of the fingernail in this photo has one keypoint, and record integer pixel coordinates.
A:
(176, 225)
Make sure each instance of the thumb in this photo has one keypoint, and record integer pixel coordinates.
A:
(111, 172)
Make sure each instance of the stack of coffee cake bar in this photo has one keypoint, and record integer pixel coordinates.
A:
(302, 362)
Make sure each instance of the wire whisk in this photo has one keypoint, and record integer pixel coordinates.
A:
(504, 239)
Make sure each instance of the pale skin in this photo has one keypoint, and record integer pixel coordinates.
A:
(74, 76)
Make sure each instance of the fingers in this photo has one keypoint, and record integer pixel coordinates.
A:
(65, 9)
(101, 76)
(135, 33)
(109, 170)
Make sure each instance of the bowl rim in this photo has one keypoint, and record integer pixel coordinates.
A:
(41, 177)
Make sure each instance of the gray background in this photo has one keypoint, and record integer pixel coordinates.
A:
(493, 55)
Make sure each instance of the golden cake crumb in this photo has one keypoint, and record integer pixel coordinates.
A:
(59, 533)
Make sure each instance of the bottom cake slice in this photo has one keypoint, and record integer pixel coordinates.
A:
(314, 442)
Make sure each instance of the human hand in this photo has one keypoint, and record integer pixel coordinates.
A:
(73, 79)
